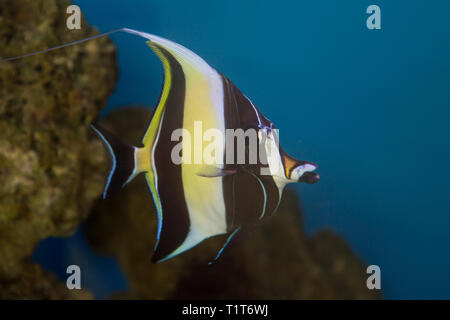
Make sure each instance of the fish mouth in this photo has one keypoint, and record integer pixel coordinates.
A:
(309, 177)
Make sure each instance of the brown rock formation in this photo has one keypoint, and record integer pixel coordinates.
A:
(47, 103)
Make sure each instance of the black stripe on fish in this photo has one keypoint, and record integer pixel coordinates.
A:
(249, 114)
(250, 199)
(273, 195)
(242, 206)
(175, 221)
(232, 120)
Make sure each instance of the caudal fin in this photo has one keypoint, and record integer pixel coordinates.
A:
(123, 161)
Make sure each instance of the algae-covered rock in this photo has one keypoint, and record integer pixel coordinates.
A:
(34, 283)
(342, 268)
(49, 173)
(277, 261)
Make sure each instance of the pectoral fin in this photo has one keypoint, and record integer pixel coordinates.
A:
(214, 172)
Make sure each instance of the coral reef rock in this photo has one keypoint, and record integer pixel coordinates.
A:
(276, 261)
(34, 283)
(48, 172)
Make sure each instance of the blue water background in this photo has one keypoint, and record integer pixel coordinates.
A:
(371, 107)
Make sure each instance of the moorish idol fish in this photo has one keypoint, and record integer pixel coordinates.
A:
(195, 201)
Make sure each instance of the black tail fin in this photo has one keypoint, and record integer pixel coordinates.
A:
(123, 165)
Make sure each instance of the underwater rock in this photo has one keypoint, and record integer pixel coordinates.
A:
(37, 284)
(342, 267)
(276, 261)
(49, 174)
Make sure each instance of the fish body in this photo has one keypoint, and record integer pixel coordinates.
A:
(228, 192)
(197, 200)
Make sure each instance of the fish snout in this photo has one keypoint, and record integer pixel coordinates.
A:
(304, 172)
(309, 177)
